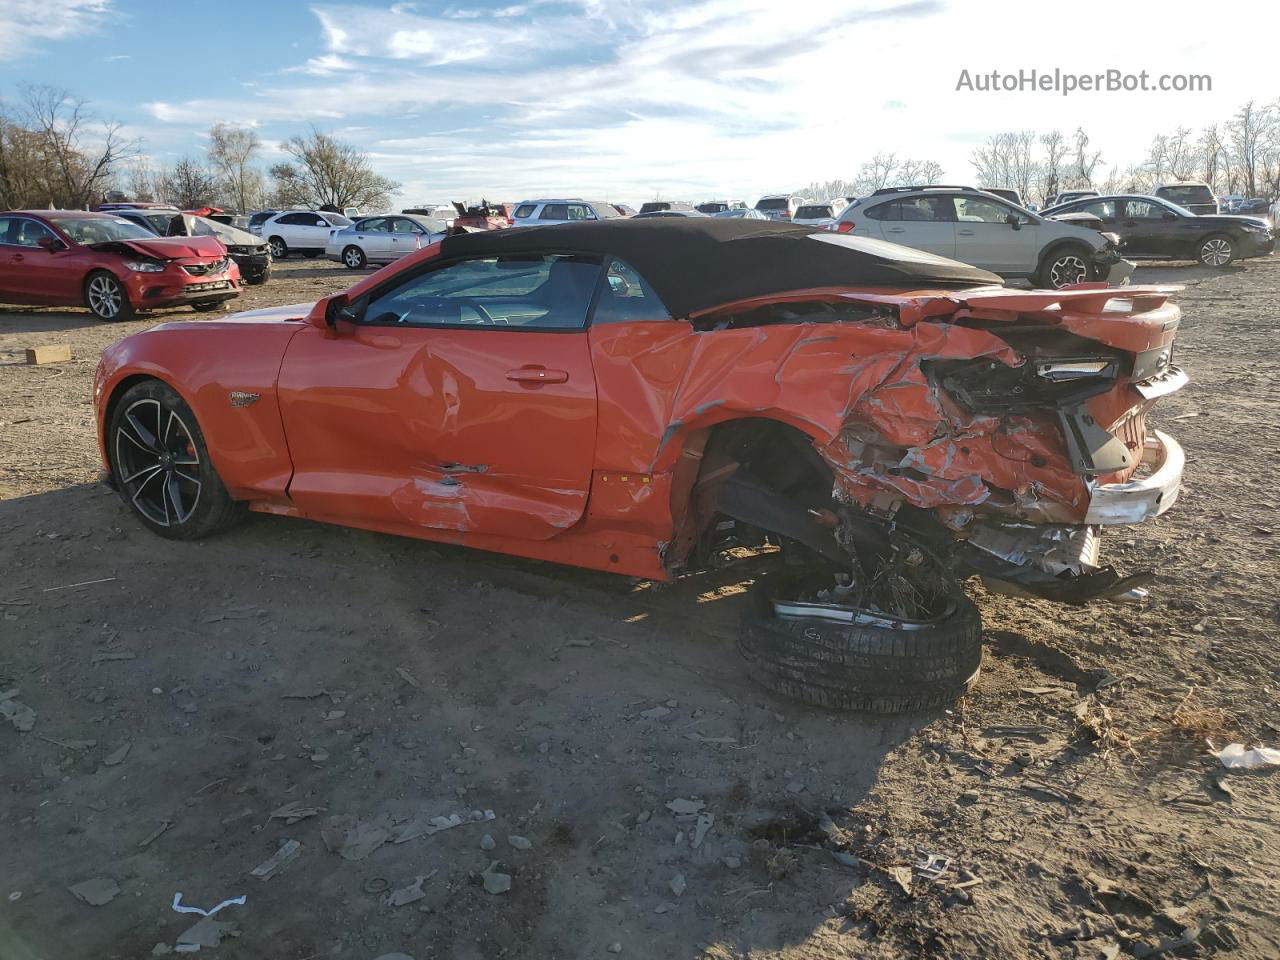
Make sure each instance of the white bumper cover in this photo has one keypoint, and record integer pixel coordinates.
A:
(1141, 499)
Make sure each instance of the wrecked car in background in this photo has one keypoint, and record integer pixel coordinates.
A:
(482, 216)
(640, 395)
(249, 252)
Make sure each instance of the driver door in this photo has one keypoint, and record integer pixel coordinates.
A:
(464, 400)
(986, 238)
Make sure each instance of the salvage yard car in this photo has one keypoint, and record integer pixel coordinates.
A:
(1150, 228)
(638, 395)
(382, 239)
(70, 258)
(305, 232)
(981, 229)
(250, 254)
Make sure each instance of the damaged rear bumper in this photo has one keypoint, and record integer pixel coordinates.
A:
(1137, 500)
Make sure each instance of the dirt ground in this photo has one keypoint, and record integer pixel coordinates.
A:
(388, 681)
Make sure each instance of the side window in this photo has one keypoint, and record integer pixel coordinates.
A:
(401, 225)
(21, 232)
(579, 211)
(555, 211)
(294, 219)
(926, 209)
(625, 297)
(317, 222)
(529, 292)
(1102, 209)
(885, 211)
(525, 210)
(1144, 210)
(375, 225)
(977, 210)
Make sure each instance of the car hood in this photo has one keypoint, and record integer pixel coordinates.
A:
(167, 248)
(1233, 220)
(289, 312)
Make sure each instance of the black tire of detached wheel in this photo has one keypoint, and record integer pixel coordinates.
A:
(869, 669)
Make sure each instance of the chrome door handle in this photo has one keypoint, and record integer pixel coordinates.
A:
(895, 230)
(964, 233)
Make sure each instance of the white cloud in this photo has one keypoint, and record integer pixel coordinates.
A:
(27, 25)
(712, 97)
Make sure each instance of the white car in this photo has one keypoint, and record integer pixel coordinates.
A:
(299, 231)
(819, 213)
(382, 239)
(779, 206)
(537, 213)
(961, 223)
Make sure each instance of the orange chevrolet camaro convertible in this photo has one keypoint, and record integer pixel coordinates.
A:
(639, 396)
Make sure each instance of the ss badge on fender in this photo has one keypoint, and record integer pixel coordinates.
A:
(241, 399)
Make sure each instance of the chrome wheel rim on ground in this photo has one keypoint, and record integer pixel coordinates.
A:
(353, 257)
(1068, 270)
(1215, 253)
(157, 464)
(104, 296)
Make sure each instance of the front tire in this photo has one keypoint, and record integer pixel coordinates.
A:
(106, 297)
(279, 249)
(161, 465)
(353, 258)
(1063, 267)
(260, 279)
(871, 667)
(207, 307)
(1216, 251)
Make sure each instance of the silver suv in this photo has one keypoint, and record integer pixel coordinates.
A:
(966, 224)
(537, 213)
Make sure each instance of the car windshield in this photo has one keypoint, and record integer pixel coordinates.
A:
(1184, 195)
(99, 229)
(772, 203)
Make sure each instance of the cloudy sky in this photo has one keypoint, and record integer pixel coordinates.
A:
(628, 100)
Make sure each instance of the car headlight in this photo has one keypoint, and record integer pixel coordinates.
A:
(145, 266)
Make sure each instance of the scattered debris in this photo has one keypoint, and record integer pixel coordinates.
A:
(293, 811)
(901, 876)
(237, 817)
(422, 826)
(1235, 757)
(643, 816)
(106, 656)
(333, 715)
(154, 835)
(487, 842)
(206, 932)
(614, 947)
(49, 353)
(678, 884)
(795, 786)
(178, 906)
(354, 839)
(655, 713)
(268, 868)
(18, 713)
(116, 756)
(96, 892)
(704, 824)
(519, 843)
(411, 893)
(733, 863)
(84, 583)
(682, 806)
(495, 882)
(931, 865)
(408, 678)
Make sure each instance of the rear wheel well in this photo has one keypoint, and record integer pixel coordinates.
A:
(766, 477)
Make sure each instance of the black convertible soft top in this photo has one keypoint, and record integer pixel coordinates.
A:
(697, 264)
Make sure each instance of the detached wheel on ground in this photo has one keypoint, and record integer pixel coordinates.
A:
(1064, 266)
(1216, 251)
(353, 257)
(279, 249)
(874, 664)
(161, 465)
(106, 297)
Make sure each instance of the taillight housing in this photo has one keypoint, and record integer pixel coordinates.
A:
(844, 226)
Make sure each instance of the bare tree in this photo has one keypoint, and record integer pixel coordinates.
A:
(1213, 155)
(141, 182)
(232, 152)
(1249, 131)
(327, 171)
(1084, 162)
(69, 159)
(1055, 151)
(188, 184)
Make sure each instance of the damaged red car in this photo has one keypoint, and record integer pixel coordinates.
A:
(637, 396)
(70, 258)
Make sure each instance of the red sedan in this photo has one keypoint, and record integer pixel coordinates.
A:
(68, 258)
(642, 395)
